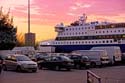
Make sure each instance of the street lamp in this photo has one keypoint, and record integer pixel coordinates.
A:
(28, 16)
(29, 37)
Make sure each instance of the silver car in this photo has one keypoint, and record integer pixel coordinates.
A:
(19, 62)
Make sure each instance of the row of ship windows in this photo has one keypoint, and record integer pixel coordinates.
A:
(119, 25)
(81, 28)
(92, 37)
(97, 27)
(110, 31)
(96, 32)
(86, 42)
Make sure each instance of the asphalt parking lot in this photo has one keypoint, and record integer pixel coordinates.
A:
(114, 74)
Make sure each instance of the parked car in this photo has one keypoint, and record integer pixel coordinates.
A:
(56, 62)
(96, 57)
(40, 56)
(19, 63)
(1, 63)
(123, 58)
(80, 61)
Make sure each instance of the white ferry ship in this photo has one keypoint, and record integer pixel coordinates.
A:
(81, 35)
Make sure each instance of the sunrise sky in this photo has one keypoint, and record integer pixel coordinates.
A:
(45, 14)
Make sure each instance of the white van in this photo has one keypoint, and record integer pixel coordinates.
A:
(113, 52)
(97, 57)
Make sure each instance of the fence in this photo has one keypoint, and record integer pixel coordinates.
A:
(92, 77)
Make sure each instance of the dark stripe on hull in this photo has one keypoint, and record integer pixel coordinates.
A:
(69, 48)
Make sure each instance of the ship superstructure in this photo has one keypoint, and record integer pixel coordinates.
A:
(81, 35)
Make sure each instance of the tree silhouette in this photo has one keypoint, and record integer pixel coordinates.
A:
(7, 32)
(20, 39)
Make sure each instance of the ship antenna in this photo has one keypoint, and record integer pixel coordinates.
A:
(82, 19)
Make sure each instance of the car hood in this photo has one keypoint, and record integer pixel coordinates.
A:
(27, 62)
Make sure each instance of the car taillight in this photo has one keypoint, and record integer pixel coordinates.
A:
(65, 62)
(69, 63)
(0, 62)
(82, 61)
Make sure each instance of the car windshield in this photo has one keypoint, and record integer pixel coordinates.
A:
(65, 58)
(23, 58)
(41, 55)
(85, 58)
(75, 57)
(3, 56)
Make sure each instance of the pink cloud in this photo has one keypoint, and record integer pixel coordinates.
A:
(51, 12)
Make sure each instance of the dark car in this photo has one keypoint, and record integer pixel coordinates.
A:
(40, 56)
(56, 63)
(1, 63)
(80, 61)
(123, 58)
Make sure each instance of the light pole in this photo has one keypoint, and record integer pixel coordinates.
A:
(28, 16)
(29, 37)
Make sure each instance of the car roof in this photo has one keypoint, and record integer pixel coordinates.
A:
(16, 55)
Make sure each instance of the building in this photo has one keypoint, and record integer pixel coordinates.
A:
(30, 39)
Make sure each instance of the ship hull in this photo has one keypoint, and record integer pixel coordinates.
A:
(69, 48)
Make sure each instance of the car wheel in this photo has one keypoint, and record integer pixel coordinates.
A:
(4, 68)
(78, 66)
(18, 69)
(68, 69)
(0, 70)
(57, 68)
(101, 65)
(34, 70)
(39, 66)
(87, 67)
(93, 65)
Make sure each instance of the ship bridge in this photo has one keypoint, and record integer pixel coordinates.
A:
(59, 27)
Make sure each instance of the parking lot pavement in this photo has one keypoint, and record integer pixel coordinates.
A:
(114, 74)
(44, 76)
(108, 74)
